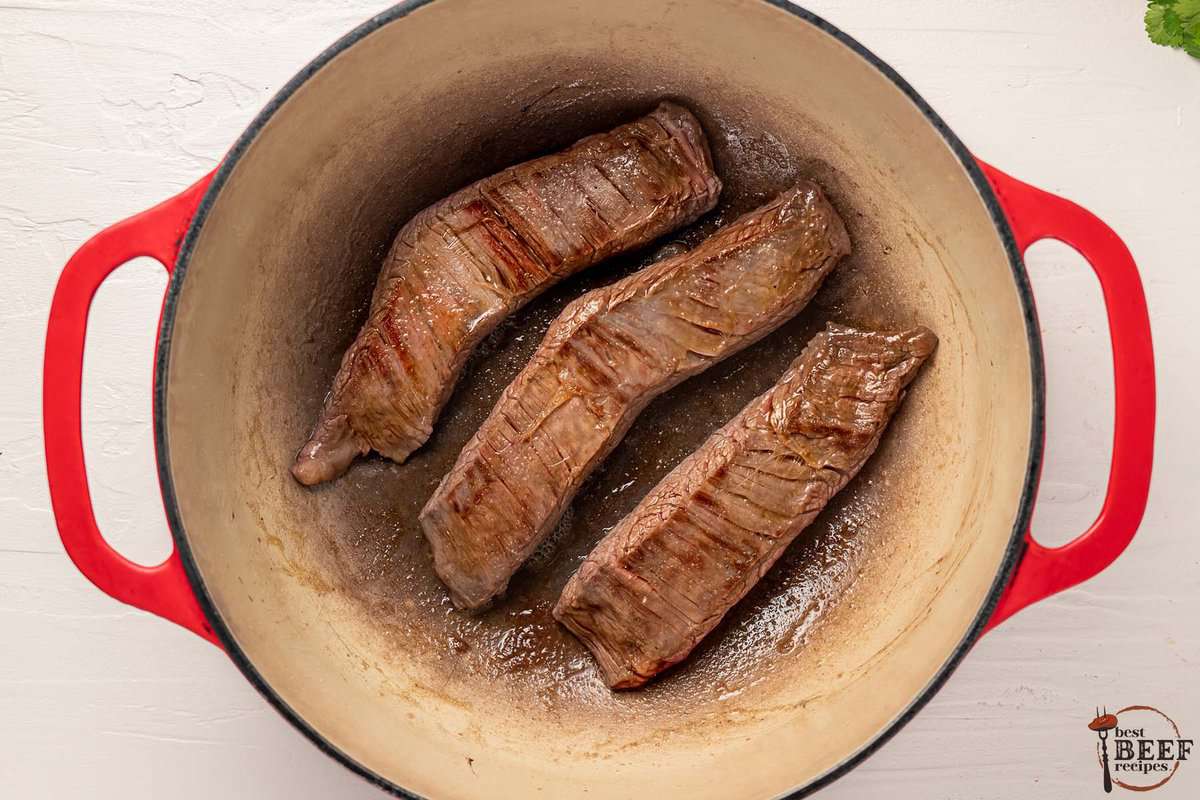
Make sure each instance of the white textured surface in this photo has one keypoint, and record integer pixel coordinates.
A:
(107, 106)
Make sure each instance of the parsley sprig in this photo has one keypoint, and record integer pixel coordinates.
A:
(1175, 23)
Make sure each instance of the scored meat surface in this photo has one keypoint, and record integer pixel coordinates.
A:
(462, 265)
(699, 541)
(606, 356)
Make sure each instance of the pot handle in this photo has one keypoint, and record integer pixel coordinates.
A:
(158, 233)
(1034, 215)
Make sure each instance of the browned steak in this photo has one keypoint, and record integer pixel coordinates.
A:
(606, 356)
(669, 571)
(462, 265)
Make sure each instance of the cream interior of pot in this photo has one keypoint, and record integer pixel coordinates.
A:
(330, 592)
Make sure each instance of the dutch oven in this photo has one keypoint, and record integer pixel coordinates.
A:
(325, 599)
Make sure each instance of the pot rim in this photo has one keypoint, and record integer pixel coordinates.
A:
(1013, 551)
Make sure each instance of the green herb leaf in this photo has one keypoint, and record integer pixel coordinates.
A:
(1172, 27)
(1174, 23)
(1154, 25)
(1187, 9)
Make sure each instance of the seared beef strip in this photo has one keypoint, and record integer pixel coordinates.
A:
(464, 264)
(606, 356)
(699, 541)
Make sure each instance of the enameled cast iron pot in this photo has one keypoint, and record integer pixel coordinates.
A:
(325, 599)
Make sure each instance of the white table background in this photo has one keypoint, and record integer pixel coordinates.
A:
(109, 106)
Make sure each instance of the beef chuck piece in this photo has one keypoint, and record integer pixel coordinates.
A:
(462, 265)
(699, 541)
(606, 356)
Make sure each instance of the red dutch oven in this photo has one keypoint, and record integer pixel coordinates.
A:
(325, 599)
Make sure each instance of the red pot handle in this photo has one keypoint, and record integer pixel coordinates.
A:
(158, 233)
(1043, 571)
